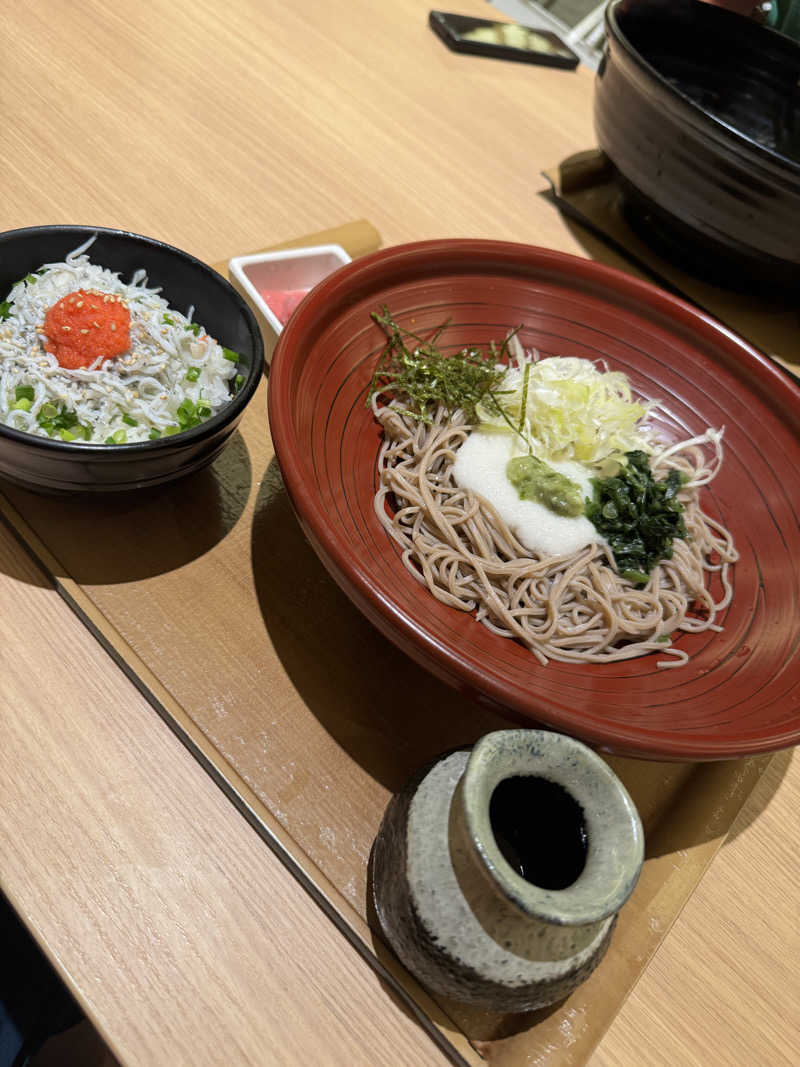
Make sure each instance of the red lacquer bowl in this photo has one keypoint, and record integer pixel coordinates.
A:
(740, 692)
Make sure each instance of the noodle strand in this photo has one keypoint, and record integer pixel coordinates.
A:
(572, 608)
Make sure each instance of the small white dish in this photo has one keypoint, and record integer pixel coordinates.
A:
(274, 283)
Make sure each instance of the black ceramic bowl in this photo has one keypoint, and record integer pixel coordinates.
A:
(699, 110)
(55, 466)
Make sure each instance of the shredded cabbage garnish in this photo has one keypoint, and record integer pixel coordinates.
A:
(566, 408)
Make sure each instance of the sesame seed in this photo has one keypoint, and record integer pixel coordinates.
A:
(113, 325)
(84, 331)
(79, 304)
(66, 327)
(96, 325)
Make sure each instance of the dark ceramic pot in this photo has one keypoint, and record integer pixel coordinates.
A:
(699, 110)
(498, 873)
(54, 466)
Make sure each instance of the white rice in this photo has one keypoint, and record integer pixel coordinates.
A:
(147, 383)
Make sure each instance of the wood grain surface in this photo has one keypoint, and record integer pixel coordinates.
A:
(185, 939)
(318, 687)
(220, 130)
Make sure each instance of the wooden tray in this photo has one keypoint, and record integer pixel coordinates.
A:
(211, 599)
(586, 189)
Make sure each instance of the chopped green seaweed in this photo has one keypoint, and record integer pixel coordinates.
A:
(413, 368)
(639, 516)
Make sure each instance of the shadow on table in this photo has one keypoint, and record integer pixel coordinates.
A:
(111, 538)
(392, 716)
(779, 764)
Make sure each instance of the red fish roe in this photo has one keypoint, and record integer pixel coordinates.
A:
(86, 324)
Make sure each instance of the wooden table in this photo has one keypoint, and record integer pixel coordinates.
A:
(221, 129)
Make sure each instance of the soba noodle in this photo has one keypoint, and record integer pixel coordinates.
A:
(573, 608)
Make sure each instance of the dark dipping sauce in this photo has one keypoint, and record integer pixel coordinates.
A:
(540, 830)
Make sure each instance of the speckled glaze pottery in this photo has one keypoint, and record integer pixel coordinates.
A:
(461, 918)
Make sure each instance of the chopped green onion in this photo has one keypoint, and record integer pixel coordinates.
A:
(5, 309)
(202, 411)
(637, 577)
(664, 639)
(194, 327)
(167, 320)
(30, 278)
(47, 412)
(238, 381)
(154, 434)
(24, 392)
(230, 355)
(23, 404)
(130, 420)
(192, 374)
(118, 437)
(170, 430)
(57, 421)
